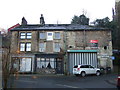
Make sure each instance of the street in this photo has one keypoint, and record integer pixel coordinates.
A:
(61, 81)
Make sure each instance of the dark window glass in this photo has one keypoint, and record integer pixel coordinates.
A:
(76, 66)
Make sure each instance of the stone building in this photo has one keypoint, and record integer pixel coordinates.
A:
(56, 48)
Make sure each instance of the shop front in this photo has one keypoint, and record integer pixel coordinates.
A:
(48, 64)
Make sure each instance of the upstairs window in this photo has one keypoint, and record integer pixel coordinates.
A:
(42, 35)
(25, 46)
(29, 35)
(57, 47)
(22, 46)
(49, 36)
(28, 46)
(22, 35)
(42, 47)
(57, 35)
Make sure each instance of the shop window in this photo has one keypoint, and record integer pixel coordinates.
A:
(57, 35)
(25, 64)
(46, 63)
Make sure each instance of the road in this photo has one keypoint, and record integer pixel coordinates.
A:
(61, 81)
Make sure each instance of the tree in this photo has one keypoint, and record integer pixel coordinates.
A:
(105, 22)
(82, 20)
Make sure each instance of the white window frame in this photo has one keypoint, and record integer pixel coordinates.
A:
(49, 37)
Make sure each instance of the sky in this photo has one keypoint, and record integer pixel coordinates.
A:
(54, 11)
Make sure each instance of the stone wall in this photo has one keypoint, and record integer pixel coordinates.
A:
(46, 71)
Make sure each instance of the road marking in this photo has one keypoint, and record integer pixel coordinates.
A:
(67, 86)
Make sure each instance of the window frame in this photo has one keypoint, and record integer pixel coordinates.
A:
(57, 37)
(49, 37)
(25, 47)
(23, 35)
(41, 35)
(56, 49)
(28, 35)
(22, 47)
(44, 45)
(28, 47)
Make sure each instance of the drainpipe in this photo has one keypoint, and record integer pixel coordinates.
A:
(65, 49)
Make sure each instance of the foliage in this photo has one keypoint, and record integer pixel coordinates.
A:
(105, 22)
(82, 20)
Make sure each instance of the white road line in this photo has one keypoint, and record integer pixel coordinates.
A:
(67, 86)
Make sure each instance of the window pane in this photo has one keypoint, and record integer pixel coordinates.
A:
(49, 36)
(22, 46)
(28, 46)
(42, 35)
(42, 47)
(38, 63)
(57, 35)
(57, 47)
(22, 35)
(43, 63)
(29, 35)
(52, 62)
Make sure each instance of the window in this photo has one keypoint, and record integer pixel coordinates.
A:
(25, 46)
(46, 63)
(22, 46)
(57, 47)
(22, 35)
(29, 35)
(42, 35)
(57, 35)
(28, 46)
(25, 64)
(42, 47)
(49, 36)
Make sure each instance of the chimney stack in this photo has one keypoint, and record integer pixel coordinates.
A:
(42, 22)
(24, 21)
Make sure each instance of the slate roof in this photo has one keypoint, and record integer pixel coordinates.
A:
(63, 27)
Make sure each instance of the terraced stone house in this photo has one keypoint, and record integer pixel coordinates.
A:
(56, 48)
